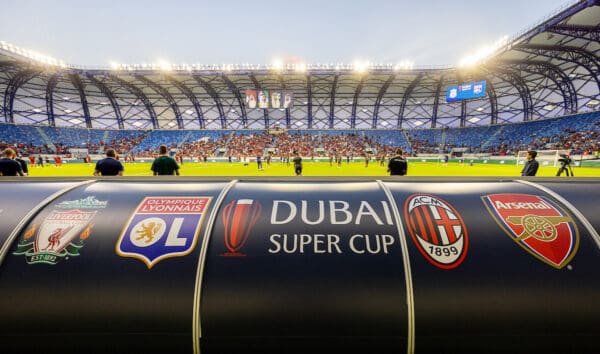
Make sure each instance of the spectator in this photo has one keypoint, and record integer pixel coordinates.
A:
(297, 164)
(23, 164)
(109, 166)
(8, 166)
(398, 165)
(164, 165)
(531, 166)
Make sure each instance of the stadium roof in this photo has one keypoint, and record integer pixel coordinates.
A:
(549, 71)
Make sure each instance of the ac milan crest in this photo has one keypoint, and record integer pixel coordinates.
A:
(238, 218)
(437, 230)
(537, 224)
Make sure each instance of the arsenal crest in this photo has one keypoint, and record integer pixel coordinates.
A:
(537, 224)
(437, 230)
(61, 234)
(162, 227)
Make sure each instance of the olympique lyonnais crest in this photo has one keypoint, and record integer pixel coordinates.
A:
(238, 218)
(437, 230)
(162, 227)
(538, 225)
(61, 234)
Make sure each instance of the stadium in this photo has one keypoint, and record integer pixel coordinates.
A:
(461, 255)
(542, 93)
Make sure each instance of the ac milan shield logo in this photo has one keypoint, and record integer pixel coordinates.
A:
(238, 218)
(538, 225)
(437, 230)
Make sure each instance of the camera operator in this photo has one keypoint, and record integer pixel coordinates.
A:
(565, 165)
(531, 166)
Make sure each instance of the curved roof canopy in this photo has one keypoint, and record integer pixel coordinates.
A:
(551, 70)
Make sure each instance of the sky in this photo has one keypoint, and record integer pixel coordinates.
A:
(428, 33)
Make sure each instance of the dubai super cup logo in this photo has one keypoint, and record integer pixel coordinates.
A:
(536, 224)
(238, 218)
(437, 230)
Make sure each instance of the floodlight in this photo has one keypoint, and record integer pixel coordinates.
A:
(360, 66)
(483, 53)
(593, 103)
(300, 67)
(404, 65)
(189, 111)
(277, 64)
(164, 65)
(474, 119)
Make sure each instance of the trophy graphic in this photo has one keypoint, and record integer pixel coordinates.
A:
(238, 219)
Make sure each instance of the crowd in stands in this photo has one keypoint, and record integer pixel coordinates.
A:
(240, 145)
(579, 133)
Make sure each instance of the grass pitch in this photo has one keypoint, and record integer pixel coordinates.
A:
(415, 168)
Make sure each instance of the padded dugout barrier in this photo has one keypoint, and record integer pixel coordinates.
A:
(299, 265)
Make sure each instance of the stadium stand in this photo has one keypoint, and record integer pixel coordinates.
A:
(577, 132)
(171, 138)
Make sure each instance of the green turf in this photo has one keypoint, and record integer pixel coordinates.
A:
(315, 169)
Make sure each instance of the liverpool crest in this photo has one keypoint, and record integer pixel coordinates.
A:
(537, 224)
(62, 233)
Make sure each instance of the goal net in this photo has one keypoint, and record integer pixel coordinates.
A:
(544, 157)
